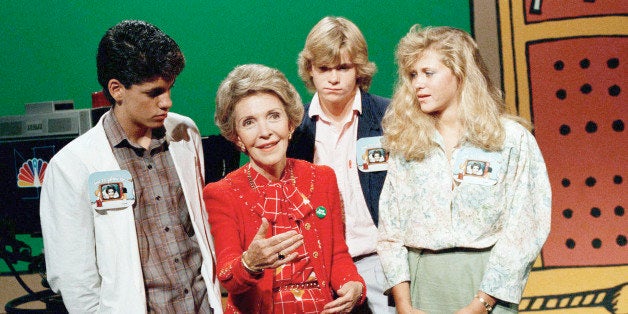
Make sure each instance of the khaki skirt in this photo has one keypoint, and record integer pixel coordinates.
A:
(446, 281)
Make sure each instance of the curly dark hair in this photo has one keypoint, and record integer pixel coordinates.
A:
(135, 52)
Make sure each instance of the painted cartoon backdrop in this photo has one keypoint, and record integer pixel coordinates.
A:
(564, 68)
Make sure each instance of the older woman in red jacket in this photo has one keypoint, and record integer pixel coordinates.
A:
(277, 222)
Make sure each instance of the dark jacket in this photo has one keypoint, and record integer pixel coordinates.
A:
(369, 124)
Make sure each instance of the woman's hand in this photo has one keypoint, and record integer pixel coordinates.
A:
(348, 296)
(271, 252)
(476, 306)
(403, 301)
(472, 308)
(410, 310)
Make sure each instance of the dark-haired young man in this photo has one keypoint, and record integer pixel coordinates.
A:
(150, 251)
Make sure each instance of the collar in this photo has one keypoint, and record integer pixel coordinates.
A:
(285, 188)
(316, 110)
(118, 138)
(438, 139)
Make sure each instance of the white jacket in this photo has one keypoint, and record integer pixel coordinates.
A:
(92, 258)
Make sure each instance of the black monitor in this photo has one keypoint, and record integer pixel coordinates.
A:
(22, 170)
(221, 157)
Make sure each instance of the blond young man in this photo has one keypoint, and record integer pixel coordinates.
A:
(334, 64)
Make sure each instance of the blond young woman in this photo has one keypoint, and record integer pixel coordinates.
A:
(451, 240)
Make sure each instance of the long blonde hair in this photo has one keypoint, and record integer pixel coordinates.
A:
(407, 130)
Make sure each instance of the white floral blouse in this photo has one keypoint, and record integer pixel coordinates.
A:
(478, 199)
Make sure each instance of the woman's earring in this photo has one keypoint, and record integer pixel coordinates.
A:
(240, 145)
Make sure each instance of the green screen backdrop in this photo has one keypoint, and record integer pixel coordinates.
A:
(48, 47)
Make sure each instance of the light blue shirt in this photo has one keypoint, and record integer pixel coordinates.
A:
(478, 199)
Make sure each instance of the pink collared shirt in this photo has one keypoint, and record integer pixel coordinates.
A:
(335, 146)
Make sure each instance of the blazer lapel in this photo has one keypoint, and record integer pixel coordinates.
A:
(367, 124)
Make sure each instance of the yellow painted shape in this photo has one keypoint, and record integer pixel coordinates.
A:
(515, 34)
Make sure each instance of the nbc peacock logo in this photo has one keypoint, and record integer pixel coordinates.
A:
(31, 173)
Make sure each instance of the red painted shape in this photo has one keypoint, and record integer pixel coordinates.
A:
(579, 155)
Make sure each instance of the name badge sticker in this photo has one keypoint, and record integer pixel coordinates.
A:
(474, 165)
(111, 190)
(370, 155)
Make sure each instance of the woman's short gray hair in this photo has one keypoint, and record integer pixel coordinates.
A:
(249, 79)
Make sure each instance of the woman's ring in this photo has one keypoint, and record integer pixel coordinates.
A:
(280, 256)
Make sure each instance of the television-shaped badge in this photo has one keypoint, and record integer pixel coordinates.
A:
(370, 155)
(111, 190)
(476, 166)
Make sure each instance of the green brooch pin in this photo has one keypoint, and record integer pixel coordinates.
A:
(321, 212)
